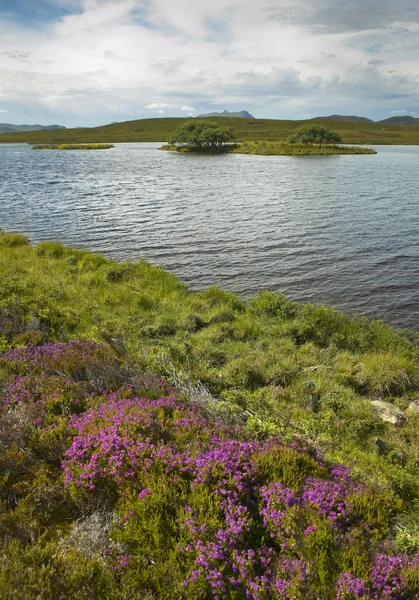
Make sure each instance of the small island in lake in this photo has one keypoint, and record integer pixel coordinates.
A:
(203, 136)
(276, 149)
(73, 146)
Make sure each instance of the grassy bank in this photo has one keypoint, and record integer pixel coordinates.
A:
(285, 149)
(278, 149)
(159, 130)
(157, 457)
(73, 147)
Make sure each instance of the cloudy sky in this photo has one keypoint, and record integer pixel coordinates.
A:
(91, 62)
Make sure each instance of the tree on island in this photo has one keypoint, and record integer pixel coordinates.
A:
(314, 135)
(202, 136)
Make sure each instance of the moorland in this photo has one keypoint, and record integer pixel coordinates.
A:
(162, 443)
(158, 130)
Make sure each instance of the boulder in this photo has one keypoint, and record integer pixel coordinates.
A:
(389, 413)
(382, 445)
(414, 406)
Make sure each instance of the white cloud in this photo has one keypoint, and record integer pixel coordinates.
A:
(157, 105)
(165, 105)
(172, 55)
(3, 111)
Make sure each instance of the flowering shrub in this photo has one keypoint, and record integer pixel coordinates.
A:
(222, 527)
(201, 510)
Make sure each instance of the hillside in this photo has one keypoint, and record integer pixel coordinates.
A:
(406, 120)
(157, 443)
(8, 128)
(351, 119)
(158, 130)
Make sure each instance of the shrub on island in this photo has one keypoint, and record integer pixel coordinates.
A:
(201, 136)
(314, 135)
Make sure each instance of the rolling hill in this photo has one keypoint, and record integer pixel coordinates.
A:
(158, 130)
(9, 128)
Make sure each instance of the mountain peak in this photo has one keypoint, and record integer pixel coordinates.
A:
(243, 114)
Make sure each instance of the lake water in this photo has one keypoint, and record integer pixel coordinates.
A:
(341, 230)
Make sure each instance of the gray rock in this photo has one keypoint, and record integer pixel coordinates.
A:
(382, 445)
(414, 406)
(389, 413)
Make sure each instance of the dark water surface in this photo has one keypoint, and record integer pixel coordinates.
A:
(341, 230)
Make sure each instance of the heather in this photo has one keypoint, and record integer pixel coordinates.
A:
(186, 505)
(156, 442)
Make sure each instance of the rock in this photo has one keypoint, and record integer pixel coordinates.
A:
(382, 445)
(414, 406)
(389, 413)
(314, 403)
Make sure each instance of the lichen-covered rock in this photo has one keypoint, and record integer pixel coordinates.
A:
(389, 413)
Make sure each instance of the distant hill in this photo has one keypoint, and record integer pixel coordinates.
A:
(159, 130)
(243, 114)
(405, 120)
(351, 119)
(8, 128)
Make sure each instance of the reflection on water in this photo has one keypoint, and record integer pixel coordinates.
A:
(340, 230)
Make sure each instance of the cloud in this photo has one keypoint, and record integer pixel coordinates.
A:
(331, 16)
(21, 56)
(157, 105)
(95, 61)
(3, 111)
(161, 106)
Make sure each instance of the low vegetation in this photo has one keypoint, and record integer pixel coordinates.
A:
(278, 149)
(159, 130)
(73, 147)
(297, 149)
(159, 443)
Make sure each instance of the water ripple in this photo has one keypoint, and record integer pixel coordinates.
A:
(340, 230)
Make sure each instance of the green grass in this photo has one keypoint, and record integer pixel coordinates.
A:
(277, 149)
(264, 360)
(275, 367)
(286, 149)
(159, 130)
(73, 147)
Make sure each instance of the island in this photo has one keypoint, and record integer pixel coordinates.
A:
(73, 147)
(207, 136)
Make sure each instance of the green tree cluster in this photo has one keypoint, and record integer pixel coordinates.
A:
(314, 135)
(201, 136)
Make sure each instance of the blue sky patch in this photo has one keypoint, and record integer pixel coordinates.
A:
(33, 13)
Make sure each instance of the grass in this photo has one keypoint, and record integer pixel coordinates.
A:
(286, 149)
(279, 149)
(73, 147)
(269, 366)
(159, 130)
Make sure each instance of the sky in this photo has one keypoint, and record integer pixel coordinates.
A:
(93, 62)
